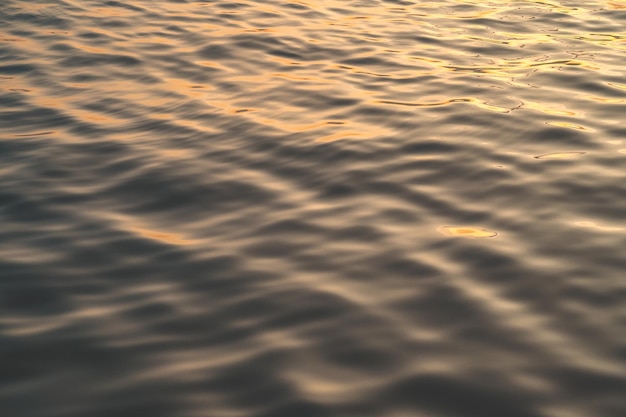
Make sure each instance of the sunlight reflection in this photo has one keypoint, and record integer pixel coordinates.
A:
(466, 231)
(560, 155)
(169, 238)
(595, 226)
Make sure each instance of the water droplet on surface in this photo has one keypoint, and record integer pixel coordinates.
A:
(466, 231)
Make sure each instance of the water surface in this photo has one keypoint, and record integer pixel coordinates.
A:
(312, 208)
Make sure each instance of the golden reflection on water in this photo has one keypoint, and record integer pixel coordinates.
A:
(469, 100)
(437, 61)
(340, 135)
(560, 155)
(615, 5)
(603, 228)
(567, 125)
(25, 135)
(169, 238)
(176, 153)
(617, 86)
(466, 231)
(608, 100)
(547, 108)
(398, 18)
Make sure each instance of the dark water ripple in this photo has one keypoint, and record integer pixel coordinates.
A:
(266, 209)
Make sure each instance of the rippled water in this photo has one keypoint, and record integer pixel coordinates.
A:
(313, 208)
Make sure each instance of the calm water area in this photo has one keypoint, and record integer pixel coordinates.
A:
(300, 208)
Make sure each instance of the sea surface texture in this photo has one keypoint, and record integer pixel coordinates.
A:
(264, 208)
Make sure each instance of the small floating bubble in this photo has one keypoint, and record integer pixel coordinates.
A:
(560, 155)
(466, 231)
